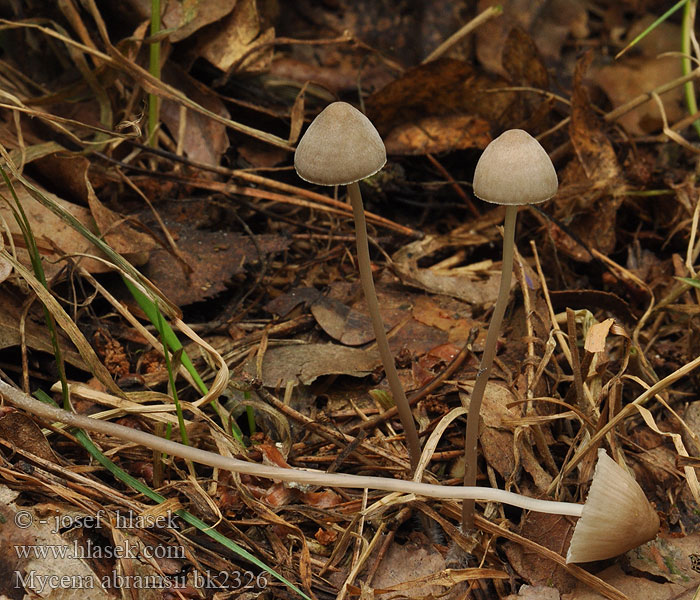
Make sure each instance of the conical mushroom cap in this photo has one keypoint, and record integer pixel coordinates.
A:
(616, 516)
(515, 169)
(340, 146)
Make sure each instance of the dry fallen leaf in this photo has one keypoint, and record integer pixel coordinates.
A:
(227, 41)
(304, 363)
(474, 287)
(35, 332)
(552, 532)
(549, 22)
(406, 563)
(596, 336)
(214, 257)
(592, 185)
(342, 323)
(24, 527)
(440, 88)
(5, 269)
(22, 432)
(52, 233)
(203, 139)
(438, 134)
(496, 431)
(185, 17)
(642, 70)
(660, 570)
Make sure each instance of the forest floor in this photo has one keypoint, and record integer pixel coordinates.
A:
(149, 180)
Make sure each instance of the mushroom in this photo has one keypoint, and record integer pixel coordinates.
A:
(340, 147)
(615, 518)
(513, 170)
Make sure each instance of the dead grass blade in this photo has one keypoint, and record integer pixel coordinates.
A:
(66, 323)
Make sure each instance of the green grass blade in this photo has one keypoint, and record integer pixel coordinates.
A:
(186, 516)
(689, 87)
(689, 281)
(154, 69)
(38, 268)
(651, 27)
(173, 343)
(171, 380)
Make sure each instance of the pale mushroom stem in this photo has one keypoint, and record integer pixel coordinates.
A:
(482, 377)
(343, 480)
(364, 265)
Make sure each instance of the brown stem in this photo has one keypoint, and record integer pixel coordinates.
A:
(482, 377)
(397, 391)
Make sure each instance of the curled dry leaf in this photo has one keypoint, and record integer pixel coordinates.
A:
(496, 431)
(203, 139)
(185, 18)
(22, 432)
(227, 41)
(595, 338)
(549, 22)
(475, 287)
(592, 184)
(5, 269)
(304, 363)
(342, 323)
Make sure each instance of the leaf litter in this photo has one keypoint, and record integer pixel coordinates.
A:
(600, 329)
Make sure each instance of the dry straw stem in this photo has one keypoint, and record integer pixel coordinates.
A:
(260, 181)
(151, 84)
(65, 323)
(455, 38)
(642, 98)
(625, 412)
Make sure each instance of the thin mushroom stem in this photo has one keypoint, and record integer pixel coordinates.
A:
(487, 357)
(397, 391)
(52, 414)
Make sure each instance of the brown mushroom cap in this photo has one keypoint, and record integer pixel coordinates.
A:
(616, 517)
(340, 146)
(515, 169)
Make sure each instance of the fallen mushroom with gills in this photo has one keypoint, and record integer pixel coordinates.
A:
(615, 518)
(341, 147)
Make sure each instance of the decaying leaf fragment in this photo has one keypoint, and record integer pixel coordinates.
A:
(592, 184)
(477, 286)
(55, 237)
(304, 363)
